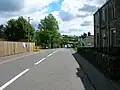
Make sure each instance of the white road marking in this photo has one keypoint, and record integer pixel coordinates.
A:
(16, 58)
(54, 52)
(44, 58)
(50, 55)
(39, 61)
(22, 73)
(13, 79)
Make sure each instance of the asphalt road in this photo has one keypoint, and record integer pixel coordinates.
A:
(49, 70)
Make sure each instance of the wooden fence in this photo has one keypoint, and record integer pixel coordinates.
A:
(10, 48)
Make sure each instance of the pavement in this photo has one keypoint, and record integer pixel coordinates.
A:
(55, 69)
(96, 78)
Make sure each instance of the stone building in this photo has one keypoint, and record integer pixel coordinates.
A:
(107, 25)
(89, 41)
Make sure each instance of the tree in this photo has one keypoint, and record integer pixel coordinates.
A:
(2, 30)
(89, 34)
(65, 39)
(84, 35)
(49, 23)
(11, 31)
(17, 29)
(49, 34)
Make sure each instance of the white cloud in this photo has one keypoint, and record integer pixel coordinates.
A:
(36, 9)
(71, 16)
(79, 10)
(97, 3)
(33, 5)
(11, 5)
(72, 5)
(11, 8)
(73, 27)
(3, 20)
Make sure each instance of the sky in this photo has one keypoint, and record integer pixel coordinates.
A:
(75, 17)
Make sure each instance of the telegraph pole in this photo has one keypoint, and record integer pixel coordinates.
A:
(28, 29)
(50, 41)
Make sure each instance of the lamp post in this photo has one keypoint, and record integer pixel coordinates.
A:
(50, 41)
(29, 19)
(35, 37)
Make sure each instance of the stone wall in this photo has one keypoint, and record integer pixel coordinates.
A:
(107, 63)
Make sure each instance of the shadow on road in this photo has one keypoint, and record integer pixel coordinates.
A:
(80, 73)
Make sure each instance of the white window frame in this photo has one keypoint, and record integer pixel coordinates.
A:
(114, 44)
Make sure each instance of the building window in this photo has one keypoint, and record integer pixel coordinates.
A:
(100, 18)
(97, 39)
(113, 10)
(113, 37)
(118, 38)
(110, 11)
(106, 14)
(103, 16)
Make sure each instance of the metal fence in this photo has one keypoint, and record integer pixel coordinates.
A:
(10, 48)
(114, 51)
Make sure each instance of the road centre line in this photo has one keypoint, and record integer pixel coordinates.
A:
(13, 79)
(20, 57)
(50, 55)
(54, 52)
(39, 61)
(44, 58)
(23, 72)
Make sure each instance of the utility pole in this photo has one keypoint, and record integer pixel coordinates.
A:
(35, 37)
(50, 41)
(28, 29)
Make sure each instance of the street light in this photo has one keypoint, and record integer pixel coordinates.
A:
(29, 19)
(50, 40)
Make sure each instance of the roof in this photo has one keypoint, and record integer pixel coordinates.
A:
(102, 6)
(89, 39)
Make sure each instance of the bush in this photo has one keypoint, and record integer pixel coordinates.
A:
(75, 49)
